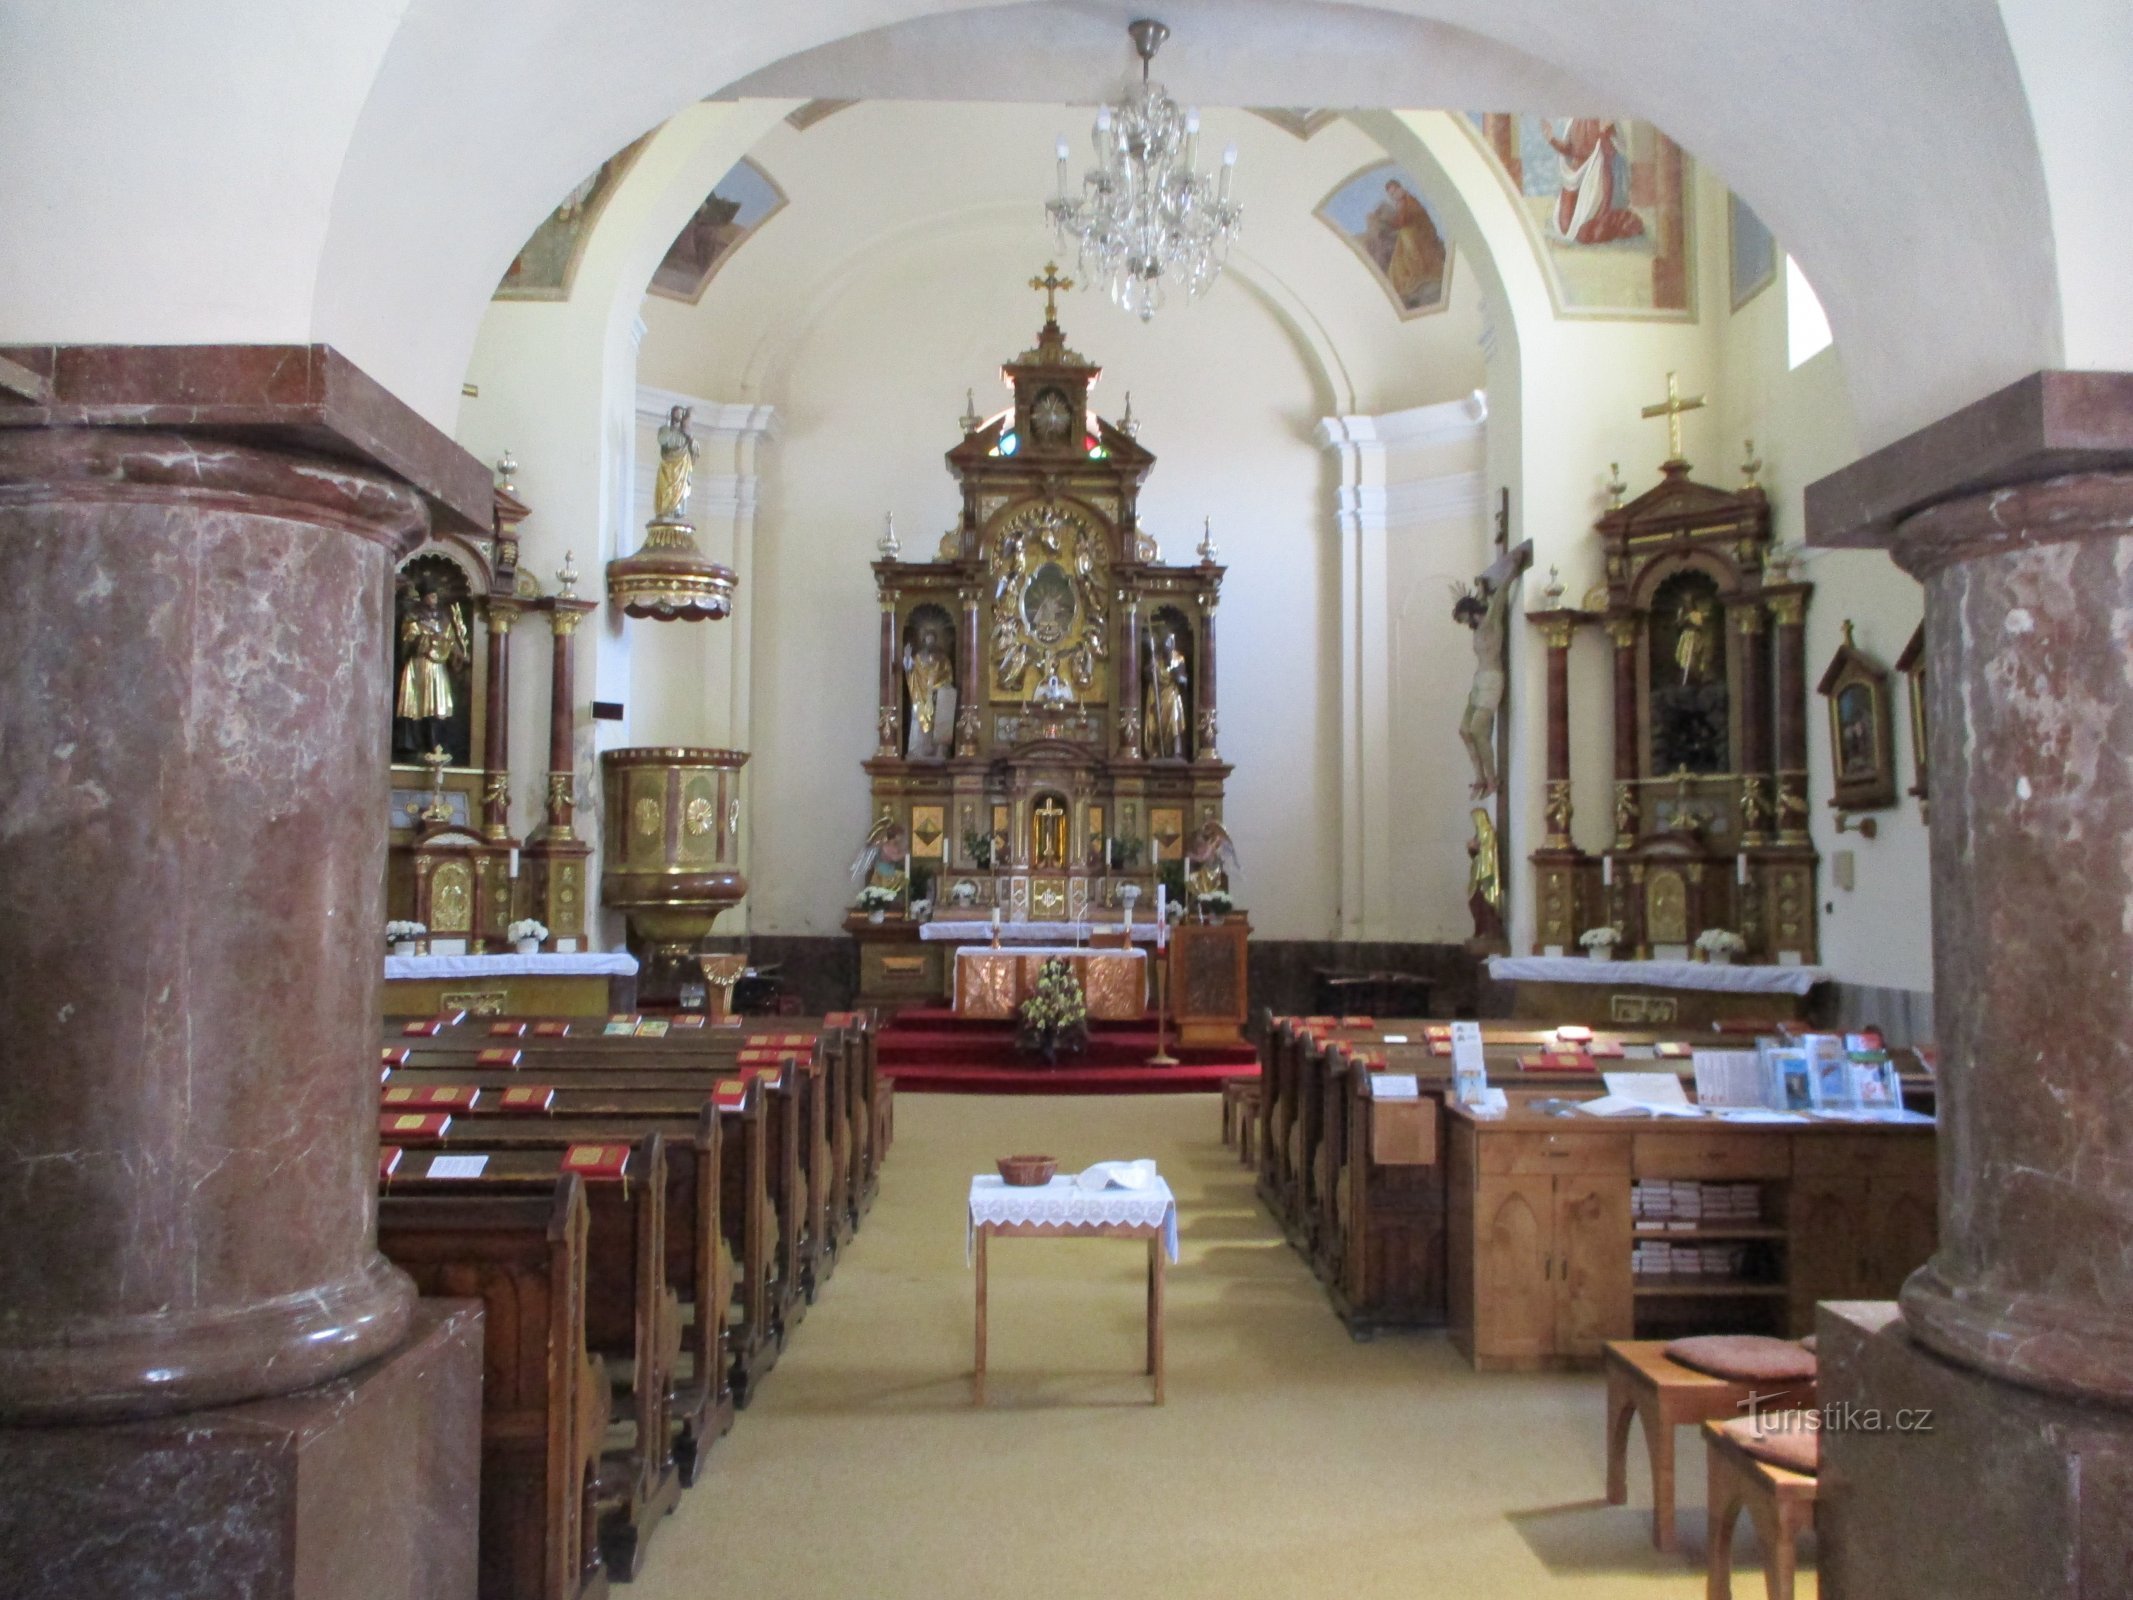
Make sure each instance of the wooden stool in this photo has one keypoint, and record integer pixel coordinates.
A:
(1665, 1395)
(1780, 1502)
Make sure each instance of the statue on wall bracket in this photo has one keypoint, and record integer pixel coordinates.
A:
(1485, 608)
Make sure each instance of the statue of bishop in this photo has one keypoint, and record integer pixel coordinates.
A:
(677, 470)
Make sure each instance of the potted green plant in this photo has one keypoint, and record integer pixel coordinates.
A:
(1055, 1017)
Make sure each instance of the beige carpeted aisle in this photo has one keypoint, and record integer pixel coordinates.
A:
(1288, 1462)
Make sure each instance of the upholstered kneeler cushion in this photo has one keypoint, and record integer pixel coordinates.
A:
(1808, 1344)
(1787, 1439)
(1745, 1358)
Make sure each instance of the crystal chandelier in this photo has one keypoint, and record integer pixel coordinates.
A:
(1143, 213)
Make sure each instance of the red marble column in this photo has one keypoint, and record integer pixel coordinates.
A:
(563, 617)
(968, 713)
(193, 695)
(888, 741)
(1130, 732)
(1754, 723)
(1210, 719)
(2015, 515)
(1622, 631)
(1788, 614)
(1559, 630)
(496, 724)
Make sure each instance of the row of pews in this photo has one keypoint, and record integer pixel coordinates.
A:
(645, 1211)
(1358, 1182)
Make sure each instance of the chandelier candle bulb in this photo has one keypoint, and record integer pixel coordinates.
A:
(1062, 167)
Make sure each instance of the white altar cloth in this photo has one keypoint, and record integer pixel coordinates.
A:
(1064, 1203)
(1021, 933)
(581, 964)
(1722, 977)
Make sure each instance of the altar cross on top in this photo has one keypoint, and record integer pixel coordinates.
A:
(1051, 283)
(1671, 408)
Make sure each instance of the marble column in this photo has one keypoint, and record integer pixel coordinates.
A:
(1622, 632)
(887, 742)
(1204, 681)
(969, 715)
(199, 545)
(564, 615)
(2017, 1338)
(496, 724)
(1788, 615)
(1754, 702)
(1558, 631)
(1129, 679)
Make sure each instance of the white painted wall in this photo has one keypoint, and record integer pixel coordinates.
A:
(866, 309)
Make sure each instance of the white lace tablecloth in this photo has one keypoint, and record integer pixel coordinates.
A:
(1063, 1203)
(1723, 977)
(1021, 933)
(583, 964)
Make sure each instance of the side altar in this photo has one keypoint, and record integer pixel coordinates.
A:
(1048, 718)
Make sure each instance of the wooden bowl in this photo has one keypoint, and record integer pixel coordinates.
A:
(1027, 1172)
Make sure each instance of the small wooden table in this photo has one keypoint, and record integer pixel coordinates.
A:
(1069, 1212)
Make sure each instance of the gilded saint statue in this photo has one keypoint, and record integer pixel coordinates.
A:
(433, 645)
(677, 469)
(1692, 640)
(1163, 696)
(928, 669)
(1484, 881)
(1048, 833)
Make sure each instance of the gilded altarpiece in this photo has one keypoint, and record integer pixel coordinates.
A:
(1708, 825)
(1082, 744)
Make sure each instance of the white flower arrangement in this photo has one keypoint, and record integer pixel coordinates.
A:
(397, 931)
(875, 898)
(1600, 938)
(526, 928)
(1720, 941)
(1218, 902)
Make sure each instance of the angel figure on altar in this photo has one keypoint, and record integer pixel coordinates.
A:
(1210, 857)
(882, 861)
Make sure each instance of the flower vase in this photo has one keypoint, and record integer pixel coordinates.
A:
(877, 916)
(1721, 958)
(1600, 952)
(527, 947)
(403, 947)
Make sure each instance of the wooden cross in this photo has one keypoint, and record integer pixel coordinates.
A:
(1051, 283)
(1671, 409)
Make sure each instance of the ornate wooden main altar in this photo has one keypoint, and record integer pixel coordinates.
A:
(1710, 732)
(1048, 715)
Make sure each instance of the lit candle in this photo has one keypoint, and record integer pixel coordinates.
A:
(1192, 137)
(996, 917)
(514, 861)
(1607, 870)
(1740, 867)
(1062, 166)
(1229, 165)
(1162, 915)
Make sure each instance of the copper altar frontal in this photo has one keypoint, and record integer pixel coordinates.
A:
(993, 983)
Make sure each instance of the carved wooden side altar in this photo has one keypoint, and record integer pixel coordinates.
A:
(1710, 732)
(1048, 717)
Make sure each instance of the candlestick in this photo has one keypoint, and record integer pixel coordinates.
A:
(1607, 871)
(1740, 868)
(514, 861)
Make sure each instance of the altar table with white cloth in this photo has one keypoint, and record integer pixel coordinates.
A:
(1692, 994)
(1063, 1209)
(994, 983)
(582, 983)
(1718, 976)
(979, 931)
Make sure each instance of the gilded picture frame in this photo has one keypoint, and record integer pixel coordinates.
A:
(1861, 748)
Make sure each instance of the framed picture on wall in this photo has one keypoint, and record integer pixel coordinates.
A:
(1862, 759)
(1912, 664)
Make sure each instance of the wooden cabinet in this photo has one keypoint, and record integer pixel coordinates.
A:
(1544, 1261)
(1540, 1235)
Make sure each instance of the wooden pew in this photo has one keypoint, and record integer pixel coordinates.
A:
(797, 1196)
(544, 1402)
(843, 1043)
(631, 1318)
(719, 1192)
(805, 1202)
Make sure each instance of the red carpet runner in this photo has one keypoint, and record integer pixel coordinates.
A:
(938, 1052)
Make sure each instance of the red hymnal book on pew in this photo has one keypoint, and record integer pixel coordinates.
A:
(841, 1019)
(551, 1030)
(1556, 1061)
(388, 1160)
(1368, 1060)
(499, 1057)
(397, 1055)
(428, 1028)
(1574, 1033)
(1605, 1049)
(760, 1057)
(597, 1160)
(729, 1095)
(430, 1126)
(692, 1020)
(1359, 1022)
(1672, 1052)
(440, 1097)
(527, 1097)
(507, 1030)
(789, 1041)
